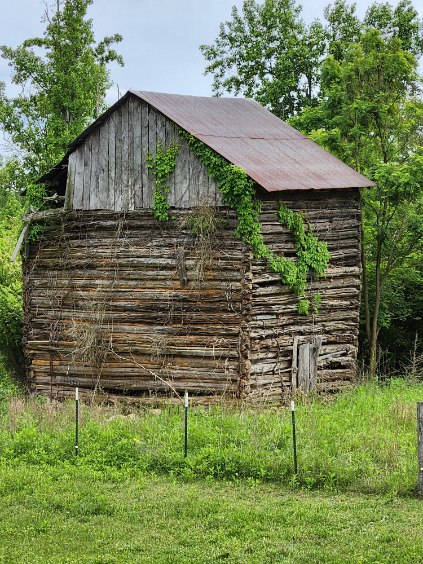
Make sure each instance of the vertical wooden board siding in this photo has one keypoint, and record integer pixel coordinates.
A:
(111, 162)
(115, 171)
(125, 158)
(214, 189)
(193, 193)
(137, 167)
(103, 168)
(119, 155)
(152, 148)
(95, 162)
(131, 150)
(145, 176)
(78, 193)
(203, 185)
(182, 175)
(87, 173)
(161, 130)
(172, 139)
(70, 181)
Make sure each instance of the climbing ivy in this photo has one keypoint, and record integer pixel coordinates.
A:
(238, 192)
(312, 255)
(162, 164)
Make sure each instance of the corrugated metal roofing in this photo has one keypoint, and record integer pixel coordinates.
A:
(274, 154)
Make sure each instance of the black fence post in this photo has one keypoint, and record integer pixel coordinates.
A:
(420, 445)
(294, 437)
(185, 424)
(76, 421)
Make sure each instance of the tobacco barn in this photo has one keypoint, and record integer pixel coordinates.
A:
(120, 302)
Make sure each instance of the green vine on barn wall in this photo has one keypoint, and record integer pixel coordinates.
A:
(162, 164)
(238, 191)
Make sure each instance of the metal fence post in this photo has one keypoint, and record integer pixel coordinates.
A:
(420, 444)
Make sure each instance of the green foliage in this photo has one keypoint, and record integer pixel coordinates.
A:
(371, 116)
(351, 85)
(268, 53)
(312, 255)
(363, 440)
(162, 164)
(238, 193)
(64, 78)
(10, 274)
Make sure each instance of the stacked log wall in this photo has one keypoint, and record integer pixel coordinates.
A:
(105, 307)
(335, 217)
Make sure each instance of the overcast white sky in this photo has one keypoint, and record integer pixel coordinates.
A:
(160, 38)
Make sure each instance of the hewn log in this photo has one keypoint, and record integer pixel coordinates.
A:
(112, 279)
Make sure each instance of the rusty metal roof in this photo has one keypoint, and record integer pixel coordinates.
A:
(274, 154)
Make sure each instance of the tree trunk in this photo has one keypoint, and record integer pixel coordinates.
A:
(375, 323)
(365, 289)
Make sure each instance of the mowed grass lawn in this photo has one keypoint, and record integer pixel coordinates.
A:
(74, 515)
(130, 496)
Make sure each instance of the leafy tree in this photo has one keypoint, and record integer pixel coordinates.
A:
(10, 273)
(343, 27)
(64, 79)
(401, 22)
(363, 104)
(268, 53)
(371, 116)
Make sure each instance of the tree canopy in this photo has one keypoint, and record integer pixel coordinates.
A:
(371, 114)
(267, 51)
(63, 78)
(364, 105)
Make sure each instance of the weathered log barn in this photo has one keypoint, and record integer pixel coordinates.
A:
(118, 301)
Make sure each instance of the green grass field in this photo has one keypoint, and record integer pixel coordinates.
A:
(75, 516)
(132, 497)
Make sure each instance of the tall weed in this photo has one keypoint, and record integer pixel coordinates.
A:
(362, 440)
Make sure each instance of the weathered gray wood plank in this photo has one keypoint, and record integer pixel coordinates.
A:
(125, 158)
(131, 155)
(137, 168)
(152, 149)
(304, 367)
(119, 155)
(145, 177)
(314, 355)
(182, 175)
(103, 167)
(87, 173)
(79, 178)
(70, 181)
(111, 162)
(95, 187)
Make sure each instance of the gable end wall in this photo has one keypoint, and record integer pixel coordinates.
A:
(108, 171)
